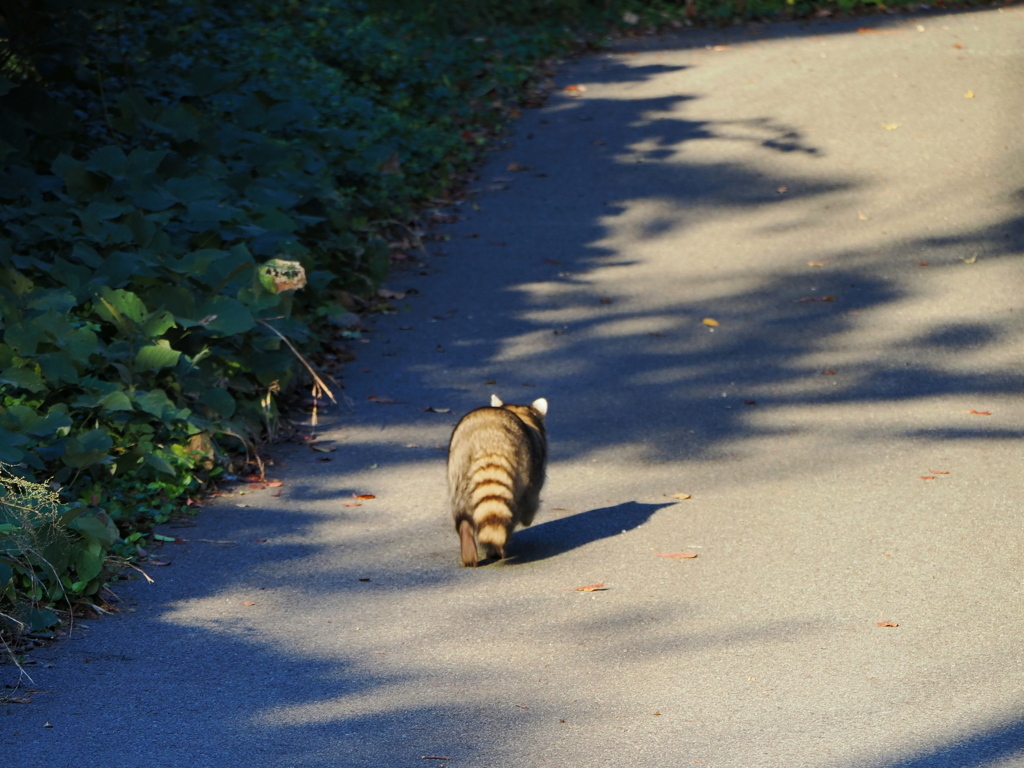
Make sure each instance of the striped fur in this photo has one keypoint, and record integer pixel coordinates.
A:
(496, 461)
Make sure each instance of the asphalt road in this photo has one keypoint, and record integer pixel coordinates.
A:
(844, 201)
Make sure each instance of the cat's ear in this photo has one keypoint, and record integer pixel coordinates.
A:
(541, 406)
(496, 402)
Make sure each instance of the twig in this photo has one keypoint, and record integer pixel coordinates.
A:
(318, 382)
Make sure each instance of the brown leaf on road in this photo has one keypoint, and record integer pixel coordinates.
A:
(592, 588)
(248, 602)
(886, 624)
(979, 413)
(939, 471)
(927, 477)
(351, 504)
(816, 263)
(710, 322)
(274, 484)
(363, 496)
(681, 496)
(383, 400)
(322, 448)
(828, 372)
(676, 555)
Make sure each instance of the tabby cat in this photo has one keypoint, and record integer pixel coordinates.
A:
(496, 461)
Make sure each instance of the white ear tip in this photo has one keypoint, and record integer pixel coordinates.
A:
(496, 402)
(541, 405)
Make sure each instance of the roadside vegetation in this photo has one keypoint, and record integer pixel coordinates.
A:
(194, 195)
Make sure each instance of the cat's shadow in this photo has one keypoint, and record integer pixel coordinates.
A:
(556, 537)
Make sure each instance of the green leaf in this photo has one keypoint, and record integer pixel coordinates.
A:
(227, 316)
(109, 160)
(87, 449)
(156, 403)
(142, 162)
(156, 356)
(105, 211)
(59, 367)
(54, 423)
(88, 560)
(159, 463)
(118, 305)
(40, 619)
(97, 526)
(116, 401)
(157, 324)
(24, 338)
(219, 401)
(24, 378)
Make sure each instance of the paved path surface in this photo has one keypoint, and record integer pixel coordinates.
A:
(847, 206)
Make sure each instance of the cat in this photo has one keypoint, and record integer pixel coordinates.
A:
(496, 463)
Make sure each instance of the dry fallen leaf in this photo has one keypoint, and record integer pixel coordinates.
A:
(815, 263)
(710, 321)
(592, 588)
(828, 372)
(862, 216)
(432, 409)
(322, 448)
(363, 496)
(980, 413)
(248, 602)
(927, 477)
(886, 624)
(938, 471)
(969, 95)
(351, 504)
(383, 400)
(676, 555)
(890, 126)
(682, 496)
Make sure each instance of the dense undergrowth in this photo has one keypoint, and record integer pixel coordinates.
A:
(172, 173)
